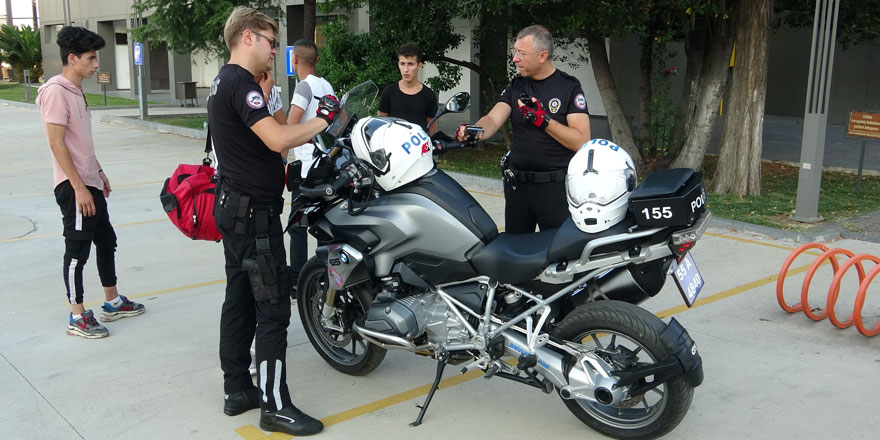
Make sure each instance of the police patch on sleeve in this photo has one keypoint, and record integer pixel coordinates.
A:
(580, 101)
(254, 99)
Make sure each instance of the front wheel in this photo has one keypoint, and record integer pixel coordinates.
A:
(333, 336)
(614, 329)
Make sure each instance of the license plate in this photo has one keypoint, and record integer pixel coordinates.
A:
(687, 278)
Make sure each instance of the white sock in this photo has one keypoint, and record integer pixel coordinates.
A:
(75, 317)
(116, 302)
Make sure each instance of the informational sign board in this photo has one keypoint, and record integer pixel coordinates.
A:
(864, 125)
(289, 59)
(138, 54)
(103, 77)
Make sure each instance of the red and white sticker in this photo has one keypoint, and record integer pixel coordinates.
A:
(254, 99)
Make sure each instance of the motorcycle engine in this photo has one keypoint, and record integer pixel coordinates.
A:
(413, 316)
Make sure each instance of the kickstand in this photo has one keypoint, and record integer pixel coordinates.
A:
(442, 358)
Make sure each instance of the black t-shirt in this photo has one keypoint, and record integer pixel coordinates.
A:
(413, 108)
(244, 162)
(531, 148)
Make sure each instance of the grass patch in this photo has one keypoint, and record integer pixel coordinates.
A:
(16, 92)
(197, 122)
(481, 161)
(838, 200)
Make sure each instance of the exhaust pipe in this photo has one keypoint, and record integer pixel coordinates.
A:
(383, 340)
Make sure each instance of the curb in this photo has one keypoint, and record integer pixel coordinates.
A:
(829, 232)
(100, 108)
(19, 104)
(161, 128)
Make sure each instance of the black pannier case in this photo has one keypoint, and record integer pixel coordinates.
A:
(673, 197)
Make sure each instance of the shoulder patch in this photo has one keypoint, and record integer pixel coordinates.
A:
(254, 99)
(580, 101)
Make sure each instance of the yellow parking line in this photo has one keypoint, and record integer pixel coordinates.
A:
(58, 234)
(250, 432)
(163, 291)
(730, 292)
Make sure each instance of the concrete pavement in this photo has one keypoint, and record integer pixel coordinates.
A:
(768, 374)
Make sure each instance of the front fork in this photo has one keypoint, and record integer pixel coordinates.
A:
(329, 310)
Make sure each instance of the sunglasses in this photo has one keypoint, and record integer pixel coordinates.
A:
(272, 42)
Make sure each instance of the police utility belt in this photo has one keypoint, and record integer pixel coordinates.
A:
(514, 175)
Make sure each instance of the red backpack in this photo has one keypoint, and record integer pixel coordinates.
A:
(188, 199)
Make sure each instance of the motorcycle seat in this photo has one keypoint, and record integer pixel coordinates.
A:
(518, 258)
(514, 258)
(569, 241)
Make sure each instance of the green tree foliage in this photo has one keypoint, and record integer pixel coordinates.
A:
(858, 21)
(349, 59)
(429, 24)
(20, 47)
(189, 26)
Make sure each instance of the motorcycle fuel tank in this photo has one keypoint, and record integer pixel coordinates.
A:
(407, 225)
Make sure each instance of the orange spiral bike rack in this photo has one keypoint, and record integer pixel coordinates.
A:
(839, 270)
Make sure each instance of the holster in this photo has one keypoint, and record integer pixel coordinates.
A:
(269, 278)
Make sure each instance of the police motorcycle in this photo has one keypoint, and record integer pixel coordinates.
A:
(408, 259)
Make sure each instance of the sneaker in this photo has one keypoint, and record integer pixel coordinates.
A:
(290, 420)
(126, 309)
(86, 327)
(240, 402)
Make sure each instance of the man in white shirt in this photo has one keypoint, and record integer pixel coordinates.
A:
(303, 106)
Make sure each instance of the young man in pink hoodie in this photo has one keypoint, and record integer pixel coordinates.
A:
(81, 187)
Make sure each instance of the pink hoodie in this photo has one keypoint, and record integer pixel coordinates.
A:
(63, 103)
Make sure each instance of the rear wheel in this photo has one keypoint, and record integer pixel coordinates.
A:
(620, 331)
(334, 338)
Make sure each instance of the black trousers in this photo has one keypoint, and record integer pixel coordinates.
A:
(299, 248)
(243, 315)
(79, 234)
(534, 204)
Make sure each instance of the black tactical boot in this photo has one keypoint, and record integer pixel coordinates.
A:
(290, 420)
(242, 401)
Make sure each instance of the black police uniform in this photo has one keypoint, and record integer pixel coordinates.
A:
(248, 208)
(534, 170)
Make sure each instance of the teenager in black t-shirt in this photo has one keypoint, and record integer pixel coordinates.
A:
(247, 141)
(408, 98)
(546, 134)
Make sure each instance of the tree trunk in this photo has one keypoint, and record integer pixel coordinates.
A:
(739, 164)
(709, 90)
(494, 58)
(621, 133)
(309, 19)
(645, 93)
(695, 52)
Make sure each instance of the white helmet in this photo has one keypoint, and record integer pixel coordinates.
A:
(600, 177)
(399, 151)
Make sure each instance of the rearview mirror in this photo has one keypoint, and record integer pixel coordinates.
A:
(458, 102)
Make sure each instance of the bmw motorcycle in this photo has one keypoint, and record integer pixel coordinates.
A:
(407, 259)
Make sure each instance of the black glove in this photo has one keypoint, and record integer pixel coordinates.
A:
(533, 112)
(328, 107)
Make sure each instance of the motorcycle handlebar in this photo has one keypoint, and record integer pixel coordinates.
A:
(328, 189)
(442, 146)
